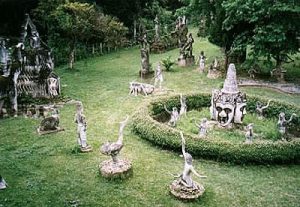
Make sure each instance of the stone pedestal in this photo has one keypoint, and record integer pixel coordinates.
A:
(182, 192)
(43, 132)
(86, 149)
(120, 169)
(186, 61)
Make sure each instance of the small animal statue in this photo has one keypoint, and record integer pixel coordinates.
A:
(249, 133)
(260, 109)
(50, 123)
(183, 105)
(282, 123)
(158, 78)
(114, 148)
(202, 127)
(186, 177)
(174, 116)
(3, 184)
(135, 88)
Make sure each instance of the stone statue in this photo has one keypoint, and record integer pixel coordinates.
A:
(116, 166)
(186, 57)
(183, 105)
(188, 46)
(81, 122)
(158, 78)
(184, 187)
(216, 65)
(228, 105)
(202, 127)
(249, 133)
(214, 70)
(3, 184)
(282, 123)
(174, 116)
(202, 59)
(260, 109)
(144, 54)
(135, 88)
(50, 124)
(5, 61)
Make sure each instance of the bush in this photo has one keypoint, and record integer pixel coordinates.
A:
(168, 63)
(145, 125)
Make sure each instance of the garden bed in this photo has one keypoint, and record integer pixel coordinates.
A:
(148, 123)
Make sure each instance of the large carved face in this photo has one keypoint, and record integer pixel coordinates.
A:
(225, 113)
(240, 112)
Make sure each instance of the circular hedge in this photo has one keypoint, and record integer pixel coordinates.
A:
(147, 126)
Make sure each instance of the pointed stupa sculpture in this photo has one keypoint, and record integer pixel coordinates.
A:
(228, 105)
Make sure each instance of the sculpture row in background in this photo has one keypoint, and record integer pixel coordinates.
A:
(26, 68)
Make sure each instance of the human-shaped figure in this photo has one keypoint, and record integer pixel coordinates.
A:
(188, 47)
(202, 126)
(3, 184)
(144, 41)
(282, 123)
(186, 178)
(80, 120)
(158, 78)
(260, 109)
(183, 105)
(202, 62)
(249, 133)
(174, 116)
(216, 65)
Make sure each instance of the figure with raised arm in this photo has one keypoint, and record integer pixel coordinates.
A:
(260, 109)
(282, 124)
(174, 116)
(202, 126)
(183, 105)
(184, 187)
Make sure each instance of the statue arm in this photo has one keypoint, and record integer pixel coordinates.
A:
(197, 125)
(183, 144)
(197, 174)
(291, 118)
(167, 109)
(265, 107)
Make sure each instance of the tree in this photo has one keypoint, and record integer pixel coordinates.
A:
(272, 31)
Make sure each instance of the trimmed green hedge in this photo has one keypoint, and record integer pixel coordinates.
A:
(145, 125)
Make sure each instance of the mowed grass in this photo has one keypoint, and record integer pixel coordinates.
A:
(48, 171)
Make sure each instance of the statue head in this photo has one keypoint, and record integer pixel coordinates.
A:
(174, 109)
(188, 158)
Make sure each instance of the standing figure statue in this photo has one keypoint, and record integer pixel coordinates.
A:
(81, 122)
(158, 78)
(202, 126)
(260, 109)
(249, 133)
(188, 47)
(183, 105)
(282, 124)
(174, 116)
(202, 59)
(185, 187)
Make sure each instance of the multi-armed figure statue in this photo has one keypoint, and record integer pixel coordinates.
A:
(174, 116)
(184, 187)
(115, 167)
(260, 109)
(80, 120)
(282, 124)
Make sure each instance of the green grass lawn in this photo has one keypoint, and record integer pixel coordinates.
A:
(48, 171)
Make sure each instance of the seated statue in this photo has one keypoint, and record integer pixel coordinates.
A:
(50, 124)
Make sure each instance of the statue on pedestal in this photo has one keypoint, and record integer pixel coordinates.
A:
(184, 187)
(115, 167)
